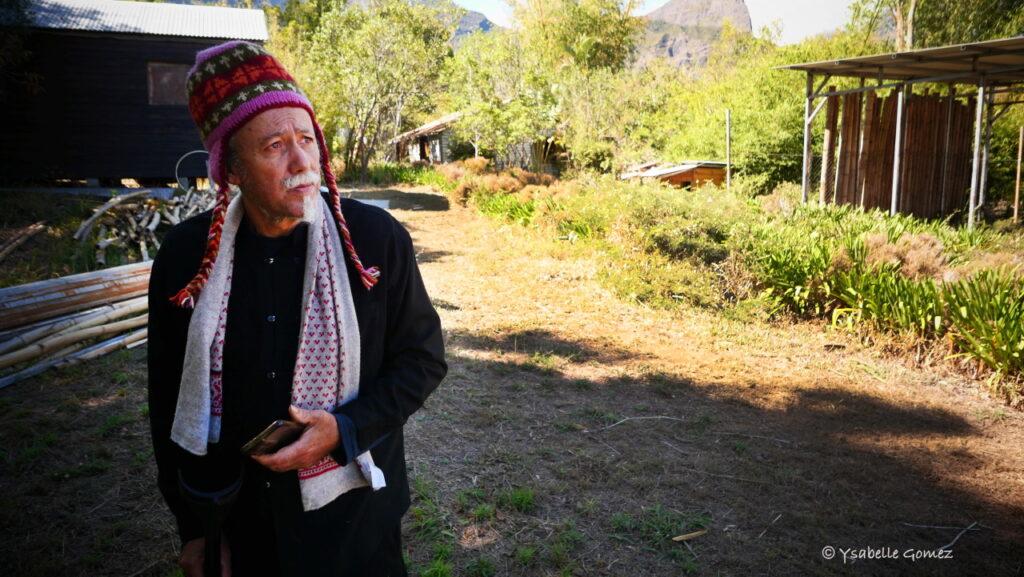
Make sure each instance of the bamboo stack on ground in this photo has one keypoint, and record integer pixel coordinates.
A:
(64, 321)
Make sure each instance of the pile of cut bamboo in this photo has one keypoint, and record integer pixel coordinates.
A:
(64, 321)
(132, 219)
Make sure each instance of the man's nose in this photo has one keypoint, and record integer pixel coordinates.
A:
(302, 158)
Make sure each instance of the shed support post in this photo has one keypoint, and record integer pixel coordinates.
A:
(972, 203)
(806, 180)
(985, 149)
(901, 103)
(728, 149)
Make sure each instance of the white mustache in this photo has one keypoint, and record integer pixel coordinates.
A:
(308, 177)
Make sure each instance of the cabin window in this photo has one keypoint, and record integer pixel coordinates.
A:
(167, 84)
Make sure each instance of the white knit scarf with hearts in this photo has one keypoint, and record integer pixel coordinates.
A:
(326, 368)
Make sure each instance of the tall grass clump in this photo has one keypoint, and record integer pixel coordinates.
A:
(389, 173)
(987, 316)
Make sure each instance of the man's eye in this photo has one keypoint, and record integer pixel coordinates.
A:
(275, 145)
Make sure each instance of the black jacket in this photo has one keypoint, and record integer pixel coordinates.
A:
(402, 362)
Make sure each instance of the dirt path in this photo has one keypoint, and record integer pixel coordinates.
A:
(575, 435)
(779, 440)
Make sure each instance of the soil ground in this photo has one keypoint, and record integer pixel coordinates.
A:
(576, 434)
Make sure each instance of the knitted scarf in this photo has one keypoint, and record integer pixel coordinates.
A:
(326, 367)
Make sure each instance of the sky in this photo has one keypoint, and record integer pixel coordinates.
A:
(799, 18)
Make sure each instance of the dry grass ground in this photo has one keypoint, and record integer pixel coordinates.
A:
(576, 434)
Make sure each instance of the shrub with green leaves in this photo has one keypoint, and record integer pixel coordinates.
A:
(987, 314)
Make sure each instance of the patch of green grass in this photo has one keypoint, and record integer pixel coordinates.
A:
(115, 422)
(544, 362)
(481, 567)
(525, 555)
(442, 551)
(622, 522)
(601, 416)
(90, 468)
(656, 526)
(569, 427)
(467, 498)
(32, 451)
(563, 545)
(701, 424)
(483, 512)
(438, 568)
(521, 499)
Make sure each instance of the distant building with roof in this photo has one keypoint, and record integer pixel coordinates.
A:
(689, 173)
(110, 98)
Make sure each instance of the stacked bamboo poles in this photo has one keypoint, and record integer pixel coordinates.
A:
(64, 321)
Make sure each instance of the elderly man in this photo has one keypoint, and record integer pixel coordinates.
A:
(263, 309)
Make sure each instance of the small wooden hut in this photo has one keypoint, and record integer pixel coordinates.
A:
(110, 101)
(684, 174)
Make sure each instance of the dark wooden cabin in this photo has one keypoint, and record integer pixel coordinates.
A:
(111, 99)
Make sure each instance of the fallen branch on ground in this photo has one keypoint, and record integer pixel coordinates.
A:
(20, 238)
(633, 419)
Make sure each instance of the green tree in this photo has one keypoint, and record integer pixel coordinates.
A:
(928, 23)
(368, 67)
(489, 80)
(589, 34)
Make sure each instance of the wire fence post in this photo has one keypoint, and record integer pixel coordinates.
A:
(728, 149)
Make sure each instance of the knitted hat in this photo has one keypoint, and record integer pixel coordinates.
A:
(229, 85)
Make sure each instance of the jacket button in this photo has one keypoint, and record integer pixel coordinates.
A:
(271, 318)
(271, 375)
(270, 260)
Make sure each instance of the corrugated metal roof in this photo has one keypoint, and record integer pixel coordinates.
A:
(436, 125)
(149, 18)
(998, 60)
(648, 171)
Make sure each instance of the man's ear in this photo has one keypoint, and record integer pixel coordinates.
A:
(233, 178)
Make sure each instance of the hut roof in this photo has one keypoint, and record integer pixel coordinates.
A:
(997, 60)
(432, 127)
(651, 170)
(147, 18)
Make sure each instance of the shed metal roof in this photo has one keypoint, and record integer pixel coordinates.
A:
(1000, 61)
(648, 171)
(162, 19)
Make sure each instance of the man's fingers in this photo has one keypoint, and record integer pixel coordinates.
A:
(290, 457)
(299, 415)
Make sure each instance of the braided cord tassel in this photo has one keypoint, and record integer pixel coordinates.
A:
(186, 297)
(369, 276)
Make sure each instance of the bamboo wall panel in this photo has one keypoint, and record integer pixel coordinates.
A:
(934, 175)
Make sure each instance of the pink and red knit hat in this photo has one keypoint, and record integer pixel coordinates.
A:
(229, 85)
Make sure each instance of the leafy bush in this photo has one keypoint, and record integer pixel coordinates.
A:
(987, 314)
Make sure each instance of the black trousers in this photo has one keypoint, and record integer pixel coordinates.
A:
(254, 554)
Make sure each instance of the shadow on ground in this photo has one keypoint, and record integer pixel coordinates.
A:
(627, 462)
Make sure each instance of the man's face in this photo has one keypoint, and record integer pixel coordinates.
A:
(277, 163)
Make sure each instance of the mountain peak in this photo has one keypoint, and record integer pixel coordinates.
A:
(704, 13)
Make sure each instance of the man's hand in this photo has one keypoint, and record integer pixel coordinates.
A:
(317, 441)
(194, 553)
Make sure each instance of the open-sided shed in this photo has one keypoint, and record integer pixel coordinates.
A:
(917, 152)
